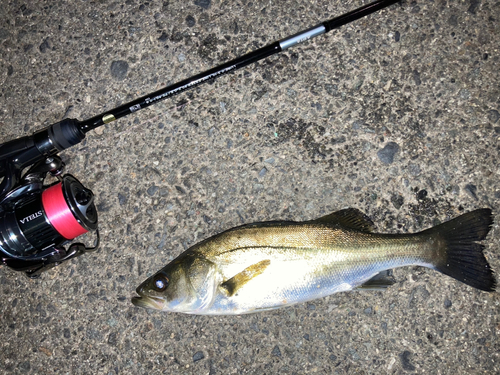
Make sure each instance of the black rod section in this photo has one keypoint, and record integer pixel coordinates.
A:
(240, 62)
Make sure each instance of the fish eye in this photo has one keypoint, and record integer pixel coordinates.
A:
(160, 283)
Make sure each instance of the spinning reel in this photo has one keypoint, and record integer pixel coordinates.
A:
(36, 220)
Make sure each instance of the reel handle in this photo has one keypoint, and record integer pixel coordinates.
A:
(49, 258)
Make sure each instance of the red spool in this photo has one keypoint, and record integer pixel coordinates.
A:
(59, 213)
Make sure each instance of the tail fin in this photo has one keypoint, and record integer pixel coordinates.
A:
(464, 259)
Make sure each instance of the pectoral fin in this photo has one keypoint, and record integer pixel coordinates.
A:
(232, 285)
(380, 281)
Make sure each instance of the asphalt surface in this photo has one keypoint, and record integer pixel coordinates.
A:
(396, 114)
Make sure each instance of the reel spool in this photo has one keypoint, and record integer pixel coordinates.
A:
(37, 221)
(59, 213)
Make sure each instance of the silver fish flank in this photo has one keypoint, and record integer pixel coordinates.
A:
(264, 266)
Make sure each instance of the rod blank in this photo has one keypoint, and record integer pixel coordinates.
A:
(230, 66)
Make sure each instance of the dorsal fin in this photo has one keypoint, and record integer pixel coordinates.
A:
(348, 218)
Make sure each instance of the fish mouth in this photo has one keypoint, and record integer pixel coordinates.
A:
(148, 302)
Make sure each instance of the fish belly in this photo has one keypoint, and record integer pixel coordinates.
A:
(296, 278)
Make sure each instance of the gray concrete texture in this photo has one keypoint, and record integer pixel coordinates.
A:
(396, 114)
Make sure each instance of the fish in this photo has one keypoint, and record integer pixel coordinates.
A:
(268, 265)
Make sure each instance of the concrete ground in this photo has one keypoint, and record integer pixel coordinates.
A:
(396, 114)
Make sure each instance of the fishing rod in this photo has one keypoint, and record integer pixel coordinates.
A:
(36, 220)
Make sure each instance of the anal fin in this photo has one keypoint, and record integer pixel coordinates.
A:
(232, 285)
(380, 281)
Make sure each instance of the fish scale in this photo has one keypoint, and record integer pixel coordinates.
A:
(268, 265)
(297, 274)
